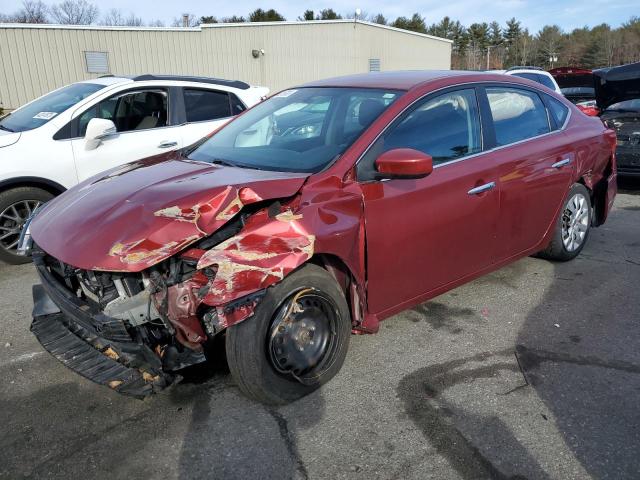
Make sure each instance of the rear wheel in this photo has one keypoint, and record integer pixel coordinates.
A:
(16, 206)
(573, 226)
(296, 341)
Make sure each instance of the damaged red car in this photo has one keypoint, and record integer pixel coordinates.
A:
(315, 214)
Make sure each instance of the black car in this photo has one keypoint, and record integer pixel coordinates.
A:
(618, 98)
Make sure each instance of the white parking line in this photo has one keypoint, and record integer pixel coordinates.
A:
(21, 358)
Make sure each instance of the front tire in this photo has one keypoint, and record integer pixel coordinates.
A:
(16, 206)
(573, 226)
(296, 340)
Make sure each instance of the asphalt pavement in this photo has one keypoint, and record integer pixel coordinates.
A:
(532, 372)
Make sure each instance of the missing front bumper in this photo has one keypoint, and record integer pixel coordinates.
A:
(118, 365)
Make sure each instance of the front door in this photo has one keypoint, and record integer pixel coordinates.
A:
(143, 130)
(425, 234)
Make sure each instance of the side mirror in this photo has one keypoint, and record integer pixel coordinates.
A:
(98, 129)
(404, 163)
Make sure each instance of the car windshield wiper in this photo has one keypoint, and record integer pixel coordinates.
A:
(6, 129)
(227, 163)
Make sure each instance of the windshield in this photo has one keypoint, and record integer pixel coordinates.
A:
(300, 130)
(626, 105)
(42, 110)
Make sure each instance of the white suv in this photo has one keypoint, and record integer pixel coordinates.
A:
(70, 134)
(535, 74)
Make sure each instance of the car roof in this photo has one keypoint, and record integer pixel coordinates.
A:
(107, 80)
(115, 79)
(403, 80)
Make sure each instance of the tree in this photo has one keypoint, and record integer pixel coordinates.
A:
(234, 19)
(549, 41)
(441, 29)
(156, 23)
(380, 19)
(512, 41)
(415, 23)
(31, 12)
(208, 19)
(115, 17)
(74, 12)
(259, 15)
(306, 16)
(328, 14)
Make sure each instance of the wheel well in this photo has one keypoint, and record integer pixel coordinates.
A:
(52, 187)
(345, 279)
(598, 193)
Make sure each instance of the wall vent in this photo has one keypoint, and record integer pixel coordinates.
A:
(374, 64)
(97, 62)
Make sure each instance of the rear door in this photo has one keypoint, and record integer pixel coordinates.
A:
(143, 129)
(535, 165)
(424, 234)
(205, 110)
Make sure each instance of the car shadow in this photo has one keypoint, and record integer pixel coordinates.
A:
(230, 436)
(587, 369)
(570, 382)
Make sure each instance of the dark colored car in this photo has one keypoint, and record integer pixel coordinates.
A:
(575, 83)
(618, 100)
(414, 183)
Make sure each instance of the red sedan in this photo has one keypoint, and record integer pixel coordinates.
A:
(317, 213)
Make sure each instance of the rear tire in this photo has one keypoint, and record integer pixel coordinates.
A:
(291, 320)
(572, 227)
(16, 206)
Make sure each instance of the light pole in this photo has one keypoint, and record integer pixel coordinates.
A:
(553, 57)
(489, 47)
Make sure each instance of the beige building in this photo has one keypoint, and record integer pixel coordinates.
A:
(39, 58)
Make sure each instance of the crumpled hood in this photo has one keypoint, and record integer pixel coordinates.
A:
(8, 138)
(137, 215)
(616, 84)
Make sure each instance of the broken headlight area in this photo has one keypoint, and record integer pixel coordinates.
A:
(160, 320)
(131, 332)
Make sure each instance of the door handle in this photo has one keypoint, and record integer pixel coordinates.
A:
(167, 144)
(562, 163)
(482, 188)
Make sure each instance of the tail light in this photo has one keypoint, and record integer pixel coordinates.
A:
(589, 110)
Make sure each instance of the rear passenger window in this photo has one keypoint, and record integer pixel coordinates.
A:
(203, 105)
(447, 127)
(236, 105)
(517, 114)
(559, 111)
(537, 77)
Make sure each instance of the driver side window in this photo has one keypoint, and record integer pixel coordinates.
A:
(447, 127)
(138, 110)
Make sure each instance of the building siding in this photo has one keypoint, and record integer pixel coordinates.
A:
(36, 60)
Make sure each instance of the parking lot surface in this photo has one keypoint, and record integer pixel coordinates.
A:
(529, 372)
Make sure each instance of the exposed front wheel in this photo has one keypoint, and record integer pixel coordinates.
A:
(16, 206)
(573, 226)
(296, 341)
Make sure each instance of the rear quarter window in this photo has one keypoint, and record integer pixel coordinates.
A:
(558, 110)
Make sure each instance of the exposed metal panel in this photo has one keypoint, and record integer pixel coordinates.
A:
(37, 59)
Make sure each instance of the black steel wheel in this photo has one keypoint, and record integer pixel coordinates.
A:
(296, 340)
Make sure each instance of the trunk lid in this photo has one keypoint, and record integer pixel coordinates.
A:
(617, 84)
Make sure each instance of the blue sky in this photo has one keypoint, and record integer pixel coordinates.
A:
(568, 14)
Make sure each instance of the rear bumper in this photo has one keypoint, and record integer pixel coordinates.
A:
(628, 160)
(95, 346)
